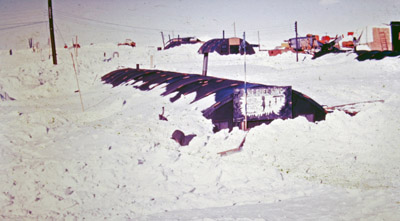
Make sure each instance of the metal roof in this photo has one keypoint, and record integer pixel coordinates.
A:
(221, 46)
(179, 41)
(204, 86)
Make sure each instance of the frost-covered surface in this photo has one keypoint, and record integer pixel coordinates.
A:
(116, 160)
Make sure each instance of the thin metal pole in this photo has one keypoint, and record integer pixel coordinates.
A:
(297, 47)
(245, 82)
(77, 82)
(53, 42)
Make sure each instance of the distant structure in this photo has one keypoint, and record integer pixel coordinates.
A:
(180, 41)
(395, 25)
(224, 46)
(381, 40)
(381, 47)
(128, 42)
(307, 43)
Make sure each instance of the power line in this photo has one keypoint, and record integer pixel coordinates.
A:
(23, 25)
(104, 29)
(27, 16)
(59, 32)
(107, 23)
(68, 15)
(19, 23)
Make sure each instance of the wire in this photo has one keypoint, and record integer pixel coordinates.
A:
(106, 23)
(23, 25)
(18, 23)
(59, 32)
(103, 29)
(272, 29)
(23, 17)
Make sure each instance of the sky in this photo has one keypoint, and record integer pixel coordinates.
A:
(143, 21)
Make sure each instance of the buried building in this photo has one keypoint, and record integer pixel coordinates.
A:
(180, 41)
(224, 46)
(265, 103)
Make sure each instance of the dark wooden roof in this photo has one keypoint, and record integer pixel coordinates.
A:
(184, 84)
(179, 41)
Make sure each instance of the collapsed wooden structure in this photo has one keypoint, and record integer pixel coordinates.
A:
(180, 41)
(266, 102)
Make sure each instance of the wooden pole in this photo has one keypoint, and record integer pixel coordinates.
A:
(76, 48)
(77, 82)
(53, 42)
(163, 41)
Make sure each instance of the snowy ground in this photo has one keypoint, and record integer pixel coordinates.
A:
(115, 160)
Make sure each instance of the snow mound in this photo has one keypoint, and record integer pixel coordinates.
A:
(4, 95)
(116, 159)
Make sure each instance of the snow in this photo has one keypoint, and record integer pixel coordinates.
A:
(116, 160)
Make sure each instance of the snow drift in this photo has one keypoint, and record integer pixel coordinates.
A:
(116, 160)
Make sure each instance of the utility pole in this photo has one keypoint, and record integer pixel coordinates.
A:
(53, 42)
(297, 42)
(162, 36)
(76, 47)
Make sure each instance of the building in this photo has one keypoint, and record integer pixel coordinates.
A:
(180, 41)
(306, 43)
(395, 25)
(226, 46)
(265, 103)
(381, 39)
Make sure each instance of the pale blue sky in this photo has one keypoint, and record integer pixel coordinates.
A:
(107, 20)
